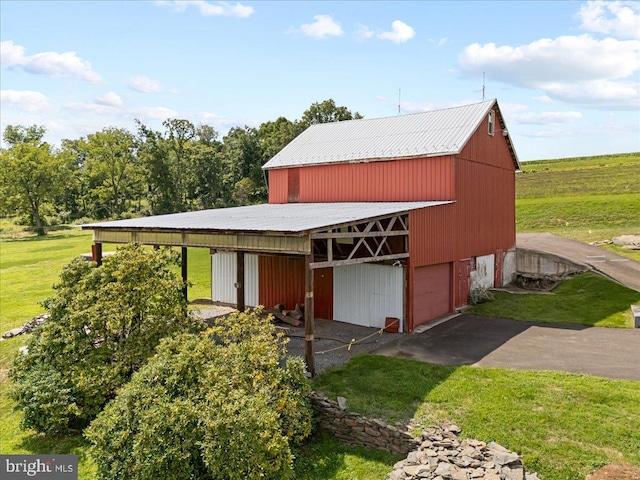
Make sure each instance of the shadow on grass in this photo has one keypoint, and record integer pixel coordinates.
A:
(323, 456)
(58, 444)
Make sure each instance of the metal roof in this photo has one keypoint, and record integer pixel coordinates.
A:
(440, 132)
(287, 217)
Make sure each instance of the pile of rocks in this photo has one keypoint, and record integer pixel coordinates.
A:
(443, 456)
(27, 327)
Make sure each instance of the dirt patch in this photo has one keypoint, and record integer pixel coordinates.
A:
(615, 472)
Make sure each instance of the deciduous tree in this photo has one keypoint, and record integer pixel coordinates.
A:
(30, 173)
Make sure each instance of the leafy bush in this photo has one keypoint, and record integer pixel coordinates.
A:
(220, 404)
(480, 295)
(105, 322)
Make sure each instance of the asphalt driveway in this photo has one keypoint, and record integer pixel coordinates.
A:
(494, 342)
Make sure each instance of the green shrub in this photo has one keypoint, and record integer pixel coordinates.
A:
(105, 322)
(220, 404)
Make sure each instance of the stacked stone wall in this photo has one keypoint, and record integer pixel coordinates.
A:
(357, 430)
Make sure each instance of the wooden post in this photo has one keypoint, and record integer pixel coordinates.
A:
(184, 273)
(240, 281)
(97, 253)
(309, 326)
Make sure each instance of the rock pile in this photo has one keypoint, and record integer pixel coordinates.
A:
(443, 456)
(27, 327)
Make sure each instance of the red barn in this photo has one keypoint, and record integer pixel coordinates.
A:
(367, 219)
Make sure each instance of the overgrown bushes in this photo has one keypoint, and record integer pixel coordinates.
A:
(105, 322)
(220, 404)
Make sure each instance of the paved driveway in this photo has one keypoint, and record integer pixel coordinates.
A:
(621, 269)
(493, 342)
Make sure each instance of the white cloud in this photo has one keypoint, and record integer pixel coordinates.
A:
(25, 100)
(544, 118)
(621, 19)
(144, 84)
(602, 94)
(110, 99)
(400, 32)
(363, 32)
(209, 9)
(154, 113)
(574, 69)
(543, 98)
(51, 64)
(324, 26)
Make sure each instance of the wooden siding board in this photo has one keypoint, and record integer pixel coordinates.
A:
(281, 280)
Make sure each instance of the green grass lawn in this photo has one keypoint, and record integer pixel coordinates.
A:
(565, 425)
(585, 299)
(587, 199)
(30, 266)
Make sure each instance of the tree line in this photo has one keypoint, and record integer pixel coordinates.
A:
(116, 173)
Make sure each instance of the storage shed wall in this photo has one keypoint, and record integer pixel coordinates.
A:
(223, 278)
(414, 179)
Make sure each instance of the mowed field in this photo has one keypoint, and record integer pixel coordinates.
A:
(588, 199)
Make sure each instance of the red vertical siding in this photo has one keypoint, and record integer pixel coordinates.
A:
(280, 280)
(488, 149)
(463, 282)
(389, 181)
(293, 185)
(323, 293)
(431, 292)
(278, 187)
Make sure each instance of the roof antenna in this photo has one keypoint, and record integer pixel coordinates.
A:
(483, 86)
(399, 92)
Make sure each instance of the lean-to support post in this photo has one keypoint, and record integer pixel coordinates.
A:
(184, 273)
(97, 253)
(240, 281)
(309, 326)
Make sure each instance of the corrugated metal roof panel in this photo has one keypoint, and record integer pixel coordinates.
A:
(288, 218)
(440, 132)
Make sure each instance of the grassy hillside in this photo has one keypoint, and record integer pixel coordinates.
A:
(587, 198)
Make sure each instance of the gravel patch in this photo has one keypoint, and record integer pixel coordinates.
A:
(332, 338)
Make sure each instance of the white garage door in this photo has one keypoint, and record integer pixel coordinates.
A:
(223, 278)
(366, 294)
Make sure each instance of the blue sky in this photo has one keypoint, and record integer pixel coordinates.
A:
(566, 73)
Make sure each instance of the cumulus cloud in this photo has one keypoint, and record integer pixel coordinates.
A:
(51, 64)
(25, 100)
(620, 19)
(324, 26)
(209, 9)
(400, 32)
(575, 69)
(109, 99)
(144, 84)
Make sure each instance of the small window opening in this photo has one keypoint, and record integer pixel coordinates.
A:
(472, 264)
(491, 123)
